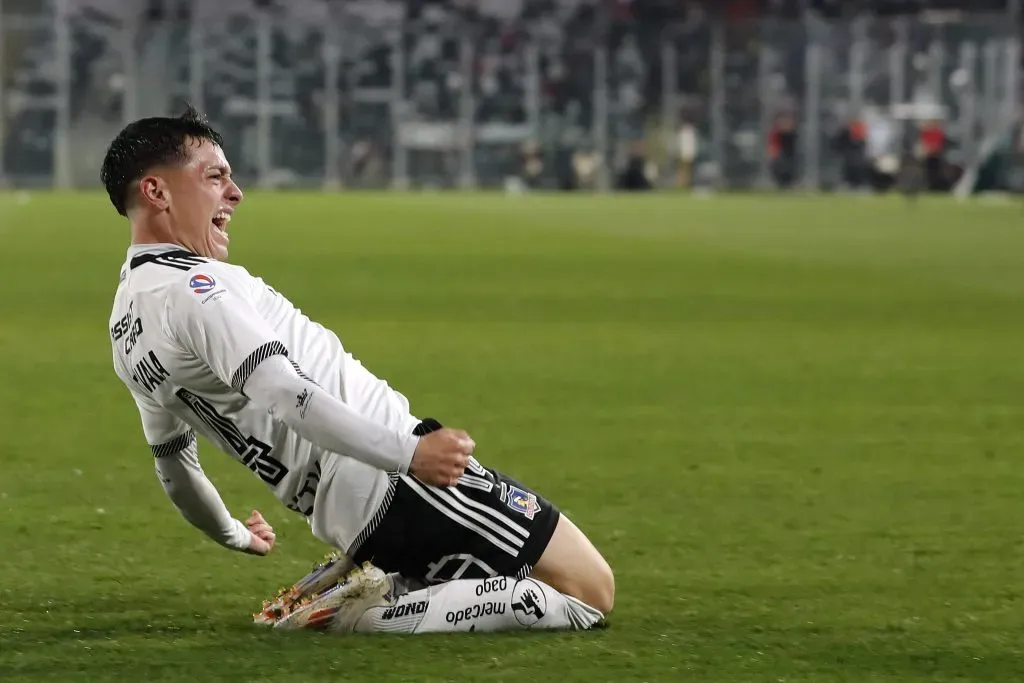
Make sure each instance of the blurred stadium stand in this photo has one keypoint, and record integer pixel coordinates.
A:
(737, 94)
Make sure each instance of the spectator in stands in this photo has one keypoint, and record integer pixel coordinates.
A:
(851, 143)
(634, 176)
(883, 157)
(932, 145)
(1017, 173)
(782, 150)
(687, 141)
(586, 165)
(531, 165)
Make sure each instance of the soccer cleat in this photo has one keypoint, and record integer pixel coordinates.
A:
(323, 576)
(272, 610)
(338, 609)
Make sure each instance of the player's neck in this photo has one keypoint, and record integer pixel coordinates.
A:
(151, 232)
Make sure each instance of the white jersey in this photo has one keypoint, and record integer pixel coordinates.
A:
(188, 331)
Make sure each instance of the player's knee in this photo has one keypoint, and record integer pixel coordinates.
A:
(572, 565)
(602, 588)
(608, 590)
(593, 585)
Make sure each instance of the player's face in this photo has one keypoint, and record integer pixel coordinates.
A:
(202, 198)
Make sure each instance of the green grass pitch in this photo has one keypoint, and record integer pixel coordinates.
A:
(794, 426)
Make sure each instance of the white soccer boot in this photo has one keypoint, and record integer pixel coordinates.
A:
(338, 609)
(324, 575)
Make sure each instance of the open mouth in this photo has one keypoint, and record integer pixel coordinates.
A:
(220, 223)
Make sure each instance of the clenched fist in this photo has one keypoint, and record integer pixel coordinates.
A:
(441, 457)
(263, 537)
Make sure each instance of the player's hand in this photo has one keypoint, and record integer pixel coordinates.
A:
(263, 536)
(441, 457)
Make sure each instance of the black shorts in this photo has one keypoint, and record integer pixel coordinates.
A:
(487, 525)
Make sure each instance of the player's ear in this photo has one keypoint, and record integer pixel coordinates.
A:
(154, 191)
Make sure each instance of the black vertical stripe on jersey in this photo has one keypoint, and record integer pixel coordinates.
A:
(181, 259)
(175, 445)
(241, 376)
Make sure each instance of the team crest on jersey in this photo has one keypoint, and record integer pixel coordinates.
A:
(521, 501)
(201, 284)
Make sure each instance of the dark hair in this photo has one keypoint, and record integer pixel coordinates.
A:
(150, 142)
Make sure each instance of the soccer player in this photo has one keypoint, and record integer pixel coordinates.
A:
(206, 348)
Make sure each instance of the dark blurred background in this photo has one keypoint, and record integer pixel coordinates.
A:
(573, 95)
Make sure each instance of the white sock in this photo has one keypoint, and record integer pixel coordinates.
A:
(497, 604)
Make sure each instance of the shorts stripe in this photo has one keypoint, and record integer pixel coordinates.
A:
(473, 481)
(454, 511)
(507, 521)
(450, 496)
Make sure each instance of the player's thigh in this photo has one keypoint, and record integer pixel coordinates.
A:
(572, 565)
(487, 525)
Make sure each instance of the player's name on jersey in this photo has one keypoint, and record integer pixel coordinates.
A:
(149, 373)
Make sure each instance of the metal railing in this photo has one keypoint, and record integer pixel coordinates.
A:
(358, 98)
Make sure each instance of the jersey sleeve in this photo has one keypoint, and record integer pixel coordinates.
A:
(211, 314)
(165, 433)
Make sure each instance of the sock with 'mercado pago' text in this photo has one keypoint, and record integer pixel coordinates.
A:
(496, 604)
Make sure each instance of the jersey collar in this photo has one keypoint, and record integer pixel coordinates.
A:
(140, 254)
(136, 249)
